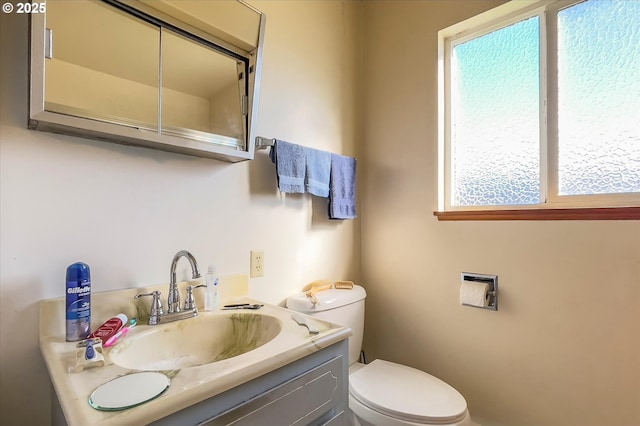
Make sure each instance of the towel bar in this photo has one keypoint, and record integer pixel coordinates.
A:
(264, 143)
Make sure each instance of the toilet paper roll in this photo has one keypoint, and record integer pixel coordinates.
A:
(474, 293)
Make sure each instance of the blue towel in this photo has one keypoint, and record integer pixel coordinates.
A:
(290, 166)
(318, 170)
(342, 187)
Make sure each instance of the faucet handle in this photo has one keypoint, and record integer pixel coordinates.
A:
(190, 301)
(156, 304)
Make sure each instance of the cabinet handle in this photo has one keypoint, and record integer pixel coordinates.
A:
(245, 104)
(48, 43)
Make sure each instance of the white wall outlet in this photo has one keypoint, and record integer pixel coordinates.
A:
(257, 264)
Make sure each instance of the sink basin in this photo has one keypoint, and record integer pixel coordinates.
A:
(196, 341)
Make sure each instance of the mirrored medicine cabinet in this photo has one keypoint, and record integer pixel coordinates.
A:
(174, 75)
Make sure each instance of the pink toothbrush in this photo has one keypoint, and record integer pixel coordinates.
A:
(123, 331)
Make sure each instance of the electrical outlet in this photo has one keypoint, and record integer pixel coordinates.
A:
(257, 264)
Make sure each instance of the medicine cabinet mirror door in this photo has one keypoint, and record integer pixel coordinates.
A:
(179, 76)
(202, 92)
(101, 64)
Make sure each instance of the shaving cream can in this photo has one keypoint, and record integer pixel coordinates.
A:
(78, 304)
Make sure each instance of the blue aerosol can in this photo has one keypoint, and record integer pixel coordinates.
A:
(78, 302)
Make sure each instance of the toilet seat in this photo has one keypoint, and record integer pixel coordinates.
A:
(407, 394)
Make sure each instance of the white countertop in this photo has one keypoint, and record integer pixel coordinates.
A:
(188, 385)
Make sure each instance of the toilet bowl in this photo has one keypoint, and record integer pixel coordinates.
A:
(383, 393)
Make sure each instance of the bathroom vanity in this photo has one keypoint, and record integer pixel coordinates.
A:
(294, 377)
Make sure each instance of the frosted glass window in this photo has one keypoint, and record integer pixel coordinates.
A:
(599, 98)
(495, 136)
(542, 108)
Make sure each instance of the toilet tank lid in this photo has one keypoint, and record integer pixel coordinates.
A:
(327, 299)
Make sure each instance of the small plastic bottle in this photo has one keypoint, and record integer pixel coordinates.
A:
(211, 298)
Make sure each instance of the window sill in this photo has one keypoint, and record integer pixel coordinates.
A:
(610, 213)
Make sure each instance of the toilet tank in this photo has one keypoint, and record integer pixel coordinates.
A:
(338, 306)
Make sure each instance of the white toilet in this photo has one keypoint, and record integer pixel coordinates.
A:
(384, 393)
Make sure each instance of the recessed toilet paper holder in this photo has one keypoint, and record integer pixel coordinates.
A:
(491, 280)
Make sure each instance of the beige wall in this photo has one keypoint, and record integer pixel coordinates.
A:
(125, 211)
(564, 348)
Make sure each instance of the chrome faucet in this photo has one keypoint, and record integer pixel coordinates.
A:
(174, 312)
(173, 302)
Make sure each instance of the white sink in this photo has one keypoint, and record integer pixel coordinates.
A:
(196, 341)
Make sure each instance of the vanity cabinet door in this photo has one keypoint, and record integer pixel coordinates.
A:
(101, 64)
(303, 400)
(310, 391)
